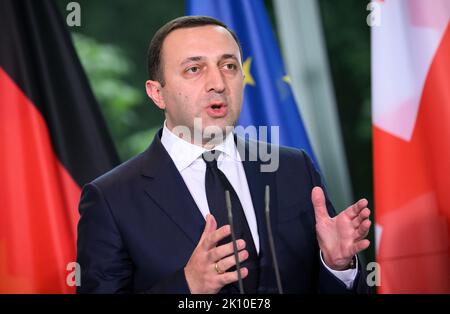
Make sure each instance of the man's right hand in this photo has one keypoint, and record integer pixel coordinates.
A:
(202, 274)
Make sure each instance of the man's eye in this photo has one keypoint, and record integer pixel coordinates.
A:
(193, 69)
(230, 66)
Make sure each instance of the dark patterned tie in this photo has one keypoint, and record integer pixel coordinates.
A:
(216, 183)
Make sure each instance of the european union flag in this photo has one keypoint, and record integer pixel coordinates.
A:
(268, 98)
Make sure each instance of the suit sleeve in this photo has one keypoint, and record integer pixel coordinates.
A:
(106, 266)
(104, 262)
(328, 283)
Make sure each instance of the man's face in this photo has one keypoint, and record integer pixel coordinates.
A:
(203, 76)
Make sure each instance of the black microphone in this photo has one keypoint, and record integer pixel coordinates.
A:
(233, 238)
(271, 242)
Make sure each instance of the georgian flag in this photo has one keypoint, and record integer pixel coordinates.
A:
(411, 135)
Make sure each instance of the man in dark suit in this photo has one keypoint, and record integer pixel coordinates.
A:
(158, 222)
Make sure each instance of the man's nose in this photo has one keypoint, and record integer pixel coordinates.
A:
(215, 81)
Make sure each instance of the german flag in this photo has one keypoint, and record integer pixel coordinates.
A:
(53, 140)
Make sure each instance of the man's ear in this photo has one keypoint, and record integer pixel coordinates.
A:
(154, 91)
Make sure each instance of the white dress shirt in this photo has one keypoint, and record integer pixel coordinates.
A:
(188, 160)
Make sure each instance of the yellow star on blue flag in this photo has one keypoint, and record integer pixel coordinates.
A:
(248, 78)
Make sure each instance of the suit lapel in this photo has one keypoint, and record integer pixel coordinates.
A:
(165, 186)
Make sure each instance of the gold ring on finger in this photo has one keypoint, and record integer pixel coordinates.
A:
(218, 270)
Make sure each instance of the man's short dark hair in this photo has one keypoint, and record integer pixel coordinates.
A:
(154, 57)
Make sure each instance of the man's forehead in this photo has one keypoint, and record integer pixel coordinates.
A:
(187, 42)
(211, 30)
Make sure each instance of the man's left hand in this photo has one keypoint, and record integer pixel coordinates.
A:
(341, 237)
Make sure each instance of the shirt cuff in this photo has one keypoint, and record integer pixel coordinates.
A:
(346, 276)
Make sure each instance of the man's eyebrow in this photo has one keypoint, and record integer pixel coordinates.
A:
(200, 58)
(191, 59)
(229, 56)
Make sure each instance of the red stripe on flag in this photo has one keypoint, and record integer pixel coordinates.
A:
(38, 201)
(412, 192)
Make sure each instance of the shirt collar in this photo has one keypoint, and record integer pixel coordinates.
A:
(184, 153)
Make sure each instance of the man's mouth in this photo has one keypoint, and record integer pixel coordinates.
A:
(217, 110)
(218, 106)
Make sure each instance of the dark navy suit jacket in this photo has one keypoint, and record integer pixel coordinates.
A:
(139, 225)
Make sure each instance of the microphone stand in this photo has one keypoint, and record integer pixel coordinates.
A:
(270, 236)
(271, 242)
(233, 237)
